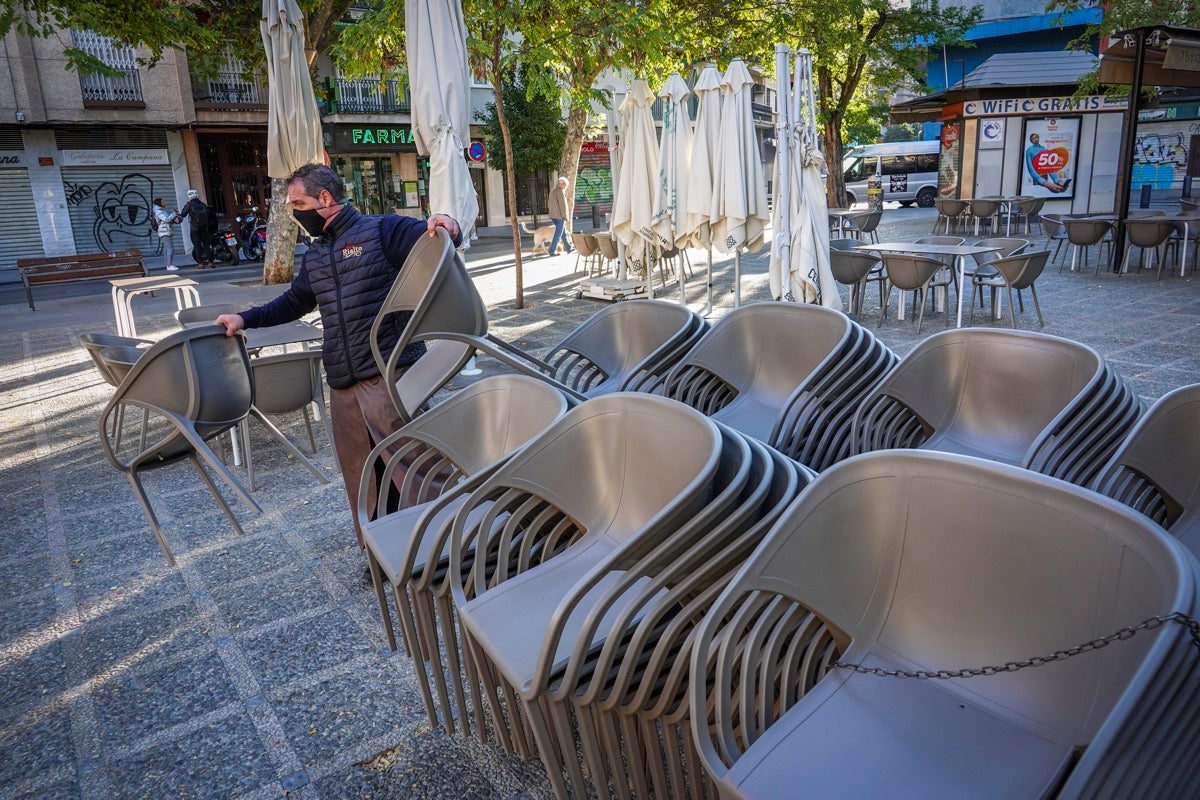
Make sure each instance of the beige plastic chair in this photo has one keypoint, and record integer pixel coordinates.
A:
(1028, 209)
(950, 213)
(930, 563)
(855, 270)
(1085, 233)
(1056, 233)
(1022, 398)
(436, 460)
(609, 255)
(1013, 272)
(916, 274)
(983, 269)
(1147, 233)
(586, 250)
(204, 315)
(596, 488)
(864, 225)
(1156, 470)
(187, 405)
(284, 384)
(429, 287)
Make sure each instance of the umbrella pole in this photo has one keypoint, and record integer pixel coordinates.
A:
(783, 136)
(709, 309)
(737, 277)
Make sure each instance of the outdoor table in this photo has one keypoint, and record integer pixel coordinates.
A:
(838, 217)
(959, 251)
(298, 332)
(1186, 220)
(125, 289)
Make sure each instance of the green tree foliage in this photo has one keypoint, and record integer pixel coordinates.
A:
(1120, 15)
(535, 119)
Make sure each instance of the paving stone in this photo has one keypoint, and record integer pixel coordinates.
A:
(36, 745)
(273, 596)
(304, 645)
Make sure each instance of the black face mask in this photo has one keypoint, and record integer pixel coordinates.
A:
(311, 220)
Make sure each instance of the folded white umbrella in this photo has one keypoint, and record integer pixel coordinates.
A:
(671, 222)
(293, 123)
(704, 162)
(799, 269)
(436, 40)
(739, 209)
(633, 206)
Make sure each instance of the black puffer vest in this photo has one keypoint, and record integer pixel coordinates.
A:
(351, 276)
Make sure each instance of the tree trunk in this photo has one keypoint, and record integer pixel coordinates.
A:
(568, 163)
(280, 258)
(510, 187)
(835, 182)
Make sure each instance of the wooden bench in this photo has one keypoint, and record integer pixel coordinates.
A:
(73, 269)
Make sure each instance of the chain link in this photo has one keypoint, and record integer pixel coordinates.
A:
(1013, 666)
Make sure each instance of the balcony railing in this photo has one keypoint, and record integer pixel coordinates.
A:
(369, 96)
(124, 89)
(230, 90)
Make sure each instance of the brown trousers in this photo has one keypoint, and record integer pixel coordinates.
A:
(362, 416)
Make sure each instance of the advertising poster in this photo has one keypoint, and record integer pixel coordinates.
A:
(991, 133)
(1050, 150)
(948, 160)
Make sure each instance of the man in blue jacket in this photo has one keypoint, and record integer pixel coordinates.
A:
(349, 268)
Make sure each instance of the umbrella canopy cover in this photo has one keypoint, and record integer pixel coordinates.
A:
(704, 152)
(293, 123)
(672, 223)
(633, 206)
(739, 203)
(436, 39)
(807, 277)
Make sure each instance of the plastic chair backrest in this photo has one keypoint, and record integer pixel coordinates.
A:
(949, 207)
(1052, 225)
(618, 340)
(908, 272)
(1020, 271)
(951, 240)
(585, 243)
(984, 208)
(94, 343)
(1156, 470)
(286, 382)
(1086, 231)
(850, 267)
(759, 354)
(931, 561)
(843, 244)
(1148, 231)
(204, 315)
(434, 287)
(1008, 247)
(987, 393)
(607, 246)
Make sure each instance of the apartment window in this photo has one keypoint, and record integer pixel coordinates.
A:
(124, 89)
(230, 88)
(369, 95)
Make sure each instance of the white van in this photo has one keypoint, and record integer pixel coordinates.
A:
(908, 171)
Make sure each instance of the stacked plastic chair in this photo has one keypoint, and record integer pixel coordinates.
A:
(987, 581)
(1156, 470)
(567, 647)
(427, 469)
(788, 374)
(626, 346)
(1028, 399)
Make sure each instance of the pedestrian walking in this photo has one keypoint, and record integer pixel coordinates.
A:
(560, 212)
(197, 211)
(346, 274)
(166, 240)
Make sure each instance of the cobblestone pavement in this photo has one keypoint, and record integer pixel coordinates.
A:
(258, 668)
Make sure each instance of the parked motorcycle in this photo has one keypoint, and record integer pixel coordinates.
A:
(224, 246)
(252, 231)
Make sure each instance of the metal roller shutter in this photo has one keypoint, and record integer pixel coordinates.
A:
(20, 235)
(110, 207)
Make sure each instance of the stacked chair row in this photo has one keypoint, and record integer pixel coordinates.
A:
(552, 597)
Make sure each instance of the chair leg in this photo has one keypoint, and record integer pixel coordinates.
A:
(1036, 306)
(1012, 314)
(155, 527)
(212, 488)
(920, 314)
(291, 448)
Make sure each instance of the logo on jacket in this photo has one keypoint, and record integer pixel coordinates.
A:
(352, 251)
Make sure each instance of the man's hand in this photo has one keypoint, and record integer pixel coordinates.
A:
(232, 322)
(443, 221)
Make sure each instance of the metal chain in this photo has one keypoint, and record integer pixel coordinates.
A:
(1013, 666)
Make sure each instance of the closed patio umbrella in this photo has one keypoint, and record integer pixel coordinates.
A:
(633, 206)
(739, 208)
(672, 223)
(293, 123)
(436, 40)
(704, 162)
(799, 269)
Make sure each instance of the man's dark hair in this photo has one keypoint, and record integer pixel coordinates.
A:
(317, 177)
